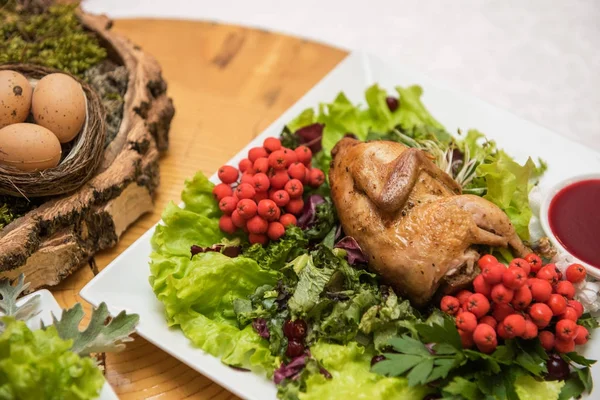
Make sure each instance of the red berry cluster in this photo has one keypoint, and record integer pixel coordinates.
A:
(519, 301)
(268, 195)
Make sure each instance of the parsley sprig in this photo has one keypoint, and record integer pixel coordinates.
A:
(415, 360)
(588, 321)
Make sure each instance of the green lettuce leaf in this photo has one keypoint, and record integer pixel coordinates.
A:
(196, 224)
(382, 118)
(198, 198)
(508, 187)
(528, 388)
(341, 325)
(388, 319)
(322, 160)
(349, 366)
(201, 302)
(277, 253)
(261, 304)
(40, 365)
(311, 283)
(412, 111)
(463, 388)
(193, 291)
(306, 117)
(525, 386)
(341, 116)
(265, 304)
(472, 144)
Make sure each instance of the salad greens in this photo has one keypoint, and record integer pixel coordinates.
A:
(350, 377)
(264, 287)
(350, 315)
(195, 294)
(473, 161)
(54, 362)
(507, 186)
(276, 254)
(388, 318)
(40, 365)
(316, 278)
(342, 116)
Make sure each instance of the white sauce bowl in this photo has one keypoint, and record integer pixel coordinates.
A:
(545, 221)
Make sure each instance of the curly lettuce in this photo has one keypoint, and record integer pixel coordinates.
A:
(387, 319)
(500, 179)
(341, 117)
(507, 185)
(193, 291)
(528, 388)
(350, 376)
(40, 365)
(277, 253)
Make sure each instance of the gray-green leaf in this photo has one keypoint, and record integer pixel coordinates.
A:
(99, 336)
(8, 300)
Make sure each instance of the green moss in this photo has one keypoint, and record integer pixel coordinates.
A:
(12, 207)
(54, 38)
(6, 216)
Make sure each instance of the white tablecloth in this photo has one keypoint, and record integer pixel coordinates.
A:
(539, 59)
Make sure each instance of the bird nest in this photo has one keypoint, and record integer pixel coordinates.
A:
(80, 158)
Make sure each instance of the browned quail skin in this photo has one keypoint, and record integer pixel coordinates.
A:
(410, 219)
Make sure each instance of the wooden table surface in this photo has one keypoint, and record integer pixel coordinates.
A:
(228, 84)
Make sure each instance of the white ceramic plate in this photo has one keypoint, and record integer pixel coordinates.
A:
(124, 283)
(46, 307)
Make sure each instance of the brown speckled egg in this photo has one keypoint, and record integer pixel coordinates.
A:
(15, 98)
(59, 105)
(29, 147)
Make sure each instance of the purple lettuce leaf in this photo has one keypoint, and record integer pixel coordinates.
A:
(309, 213)
(229, 251)
(239, 368)
(325, 373)
(291, 369)
(354, 253)
(310, 136)
(339, 233)
(260, 326)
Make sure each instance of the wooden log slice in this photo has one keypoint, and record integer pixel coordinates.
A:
(50, 242)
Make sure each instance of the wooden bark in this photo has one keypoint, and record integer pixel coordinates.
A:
(51, 242)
